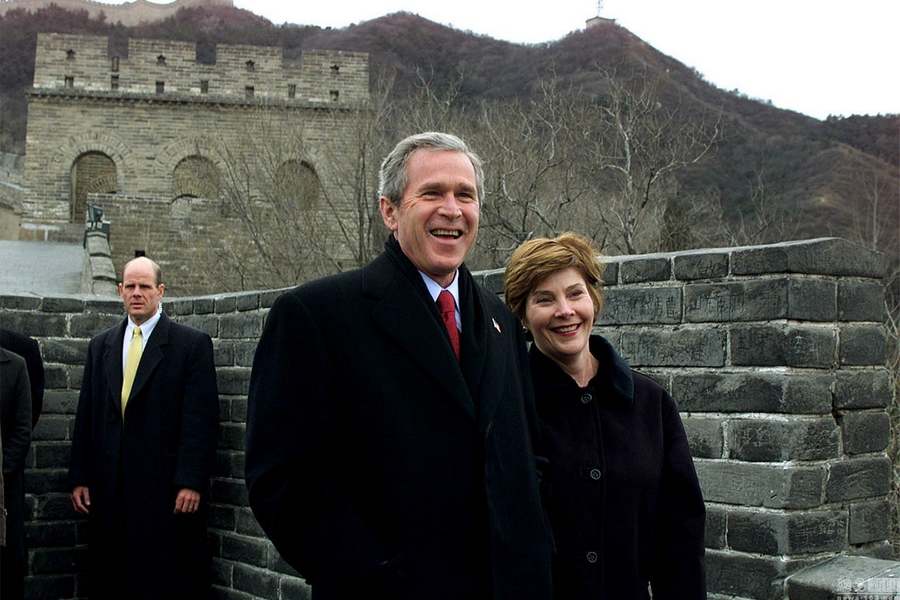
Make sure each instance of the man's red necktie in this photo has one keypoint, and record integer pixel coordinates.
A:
(448, 316)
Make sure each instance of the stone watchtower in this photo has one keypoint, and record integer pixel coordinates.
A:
(139, 125)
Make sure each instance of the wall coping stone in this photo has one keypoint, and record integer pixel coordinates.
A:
(845, 577)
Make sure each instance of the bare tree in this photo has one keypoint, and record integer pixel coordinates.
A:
(634, 147)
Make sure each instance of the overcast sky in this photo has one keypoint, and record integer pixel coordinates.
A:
(817, 57)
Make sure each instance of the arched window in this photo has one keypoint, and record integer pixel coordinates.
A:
(297, 185)
(92, 173)
(196, 177)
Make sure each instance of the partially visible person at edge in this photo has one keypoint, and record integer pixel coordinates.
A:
(15, 431)
(390, 415)
(28, 349)
(621, 491)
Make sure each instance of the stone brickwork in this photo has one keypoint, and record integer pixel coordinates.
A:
(774, 353)
(149, 110)
(128, 13)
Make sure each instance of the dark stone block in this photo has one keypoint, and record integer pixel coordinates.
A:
(757, 260)
(19, 302)
(707, 264)
(62, 304)
(641, 305)
(247, 524)
(229, 491)
(610, 272)
(57, 561)
(755, 484)
(811, 300)
(50, 455)
(239, 410)
(34, 324)
(179, 306)
(860, 301)
(247, 550)
(222, 572)
(870, 521)
(204, 305)
(247, 301)
(756, 531)
(108, 306)
(807, 394)
(862, 345)
(862, 389)
(817, 531)
(865, 432)
(221, 516)
(645, 268)
(225, 303)
(862, 477)
(55, 377)
(65, 351)
(233, 380)
(50, 534)
(762, 440)
(229, 464)
(240, 325)
(279, 565)
(223, 353)
(43, 481)
(75, 374)
(295, 589)
(244, 353)
(231, 436)
(734, 574)
(208, 324)
(46, 587)
(268, 298)
(50, 428)
(752, 300)
(90, 324)
(59, 402)
(757, 345)
(704, 436)
(714, 533)
(728, 392)
(674, 348)
(493, 281)
(823, 256)
(54, 507)
(811, 347)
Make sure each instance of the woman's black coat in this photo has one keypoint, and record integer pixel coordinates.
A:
(620, 489)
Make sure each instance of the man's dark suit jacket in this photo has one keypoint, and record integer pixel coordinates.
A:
(28, 349)
(381, 467)
(138, 547)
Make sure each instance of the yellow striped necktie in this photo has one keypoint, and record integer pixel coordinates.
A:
(131, 364)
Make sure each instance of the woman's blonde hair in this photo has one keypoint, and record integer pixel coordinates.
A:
(536, 259)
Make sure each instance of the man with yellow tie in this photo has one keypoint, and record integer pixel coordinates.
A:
(144, 447)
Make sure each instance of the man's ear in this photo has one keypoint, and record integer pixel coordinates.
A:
(388, 213)
(162, 289)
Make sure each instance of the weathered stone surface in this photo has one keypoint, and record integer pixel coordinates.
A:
(62, 304)
(863, 477)
(741, 575)
(34, 324)
(754, 484)
(240, 325)
(610, 272)
(862, 389)
(839, 577)
(869, 521)
(868, 431)
(641, 305)
(728, 392)
(63, 350)
(705, 264)
(704, 436)
(208, 324)
(823, 256)
(714, 533)
(493, 281)
(90, 324)
(807, 393)
(777, 532)
(769, 440)
(674, 348)
(812, 300)
(862, 345)
(861, 301)
(645, 268)
(751, 300)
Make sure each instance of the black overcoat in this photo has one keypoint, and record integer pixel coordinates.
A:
(15, 422)
(621, 490)
(380, 466)
(28, 349)
(138, 548)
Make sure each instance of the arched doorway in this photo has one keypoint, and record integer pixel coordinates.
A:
(297, 185)
(92, 173)
(196, 177)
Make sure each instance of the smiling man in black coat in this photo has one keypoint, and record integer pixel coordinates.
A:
(389, 434)
(143, 449)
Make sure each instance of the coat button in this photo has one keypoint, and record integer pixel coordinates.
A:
(591, 557)
(586, 397)
(595, 474)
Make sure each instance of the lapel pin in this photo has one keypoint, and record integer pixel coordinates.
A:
(496, 325)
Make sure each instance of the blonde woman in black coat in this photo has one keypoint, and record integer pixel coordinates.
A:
(620, 488)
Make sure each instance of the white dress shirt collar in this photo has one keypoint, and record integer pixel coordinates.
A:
(434, 288)
(147, 328)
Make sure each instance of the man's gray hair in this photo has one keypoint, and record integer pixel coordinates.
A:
(392, 177)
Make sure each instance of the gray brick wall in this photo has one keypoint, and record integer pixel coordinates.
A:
(774, 354)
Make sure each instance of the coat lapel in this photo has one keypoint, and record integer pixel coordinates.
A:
(150, 357)
(112, 358)
(402, 315)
